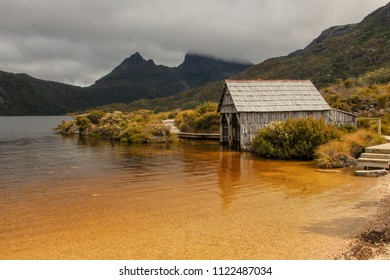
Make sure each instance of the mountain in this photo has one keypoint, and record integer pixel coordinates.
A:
(137, 78)
(339, 52)
(200, 69)
(21, 94)
(133, 79)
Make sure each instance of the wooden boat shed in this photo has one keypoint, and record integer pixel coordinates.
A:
(249, 105)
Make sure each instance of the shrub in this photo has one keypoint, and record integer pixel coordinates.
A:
(159, 130)
(95, 116)
(293, 139)
(115, 118)
(140, 126)
(65, 127)
(334, 154)
(207, 122)
(372, 124)
(203, 118)
(110, 126)
(344, 152)
(173, 114)
(361, 139)
(379, 76)
(348, 128)
(185, 120)
(133, 134)
(206, 107)
(83, 123)
(107, 131)
(140, 116)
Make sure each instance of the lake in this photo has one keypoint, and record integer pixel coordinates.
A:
(79, 198)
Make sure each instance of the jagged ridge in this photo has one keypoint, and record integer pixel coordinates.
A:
(133, 79)
(137, 78)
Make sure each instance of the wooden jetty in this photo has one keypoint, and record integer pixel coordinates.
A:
(198, 136)
(186, 135)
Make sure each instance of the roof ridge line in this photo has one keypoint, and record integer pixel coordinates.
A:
(262, 80)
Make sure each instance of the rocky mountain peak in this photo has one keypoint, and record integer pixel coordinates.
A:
(381, 15)
(331, 32)
(376, 20)
(136, 61)
(130, 66)
(197, 63)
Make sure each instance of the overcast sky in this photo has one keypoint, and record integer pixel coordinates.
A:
(79, 41)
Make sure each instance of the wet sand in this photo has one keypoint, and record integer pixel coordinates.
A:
(373, 241)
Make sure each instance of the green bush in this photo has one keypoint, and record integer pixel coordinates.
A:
(379, 76)
(293, 139)
(207, 122)
(185, 121)
(66, 127)
(159, 130)
(107, 131)
(95, 116)
(134, 134)
(141, 116)
(141, 126)
(206, 107)
(110, 126)
(83, 123)
(203, 118)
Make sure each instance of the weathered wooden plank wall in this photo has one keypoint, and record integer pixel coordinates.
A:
(341, 118)
(228, 104)
(252, 122)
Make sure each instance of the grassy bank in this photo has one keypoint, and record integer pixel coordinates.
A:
(308, 139)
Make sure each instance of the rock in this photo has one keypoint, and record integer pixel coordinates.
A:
(371, 173)
(328, 170)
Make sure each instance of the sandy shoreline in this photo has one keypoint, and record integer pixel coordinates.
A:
(373, 241)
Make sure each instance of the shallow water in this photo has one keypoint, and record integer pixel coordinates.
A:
(72, 198)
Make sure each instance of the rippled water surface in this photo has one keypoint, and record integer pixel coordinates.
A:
(72, 198)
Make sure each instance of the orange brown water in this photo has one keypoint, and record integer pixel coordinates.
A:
(180, 201)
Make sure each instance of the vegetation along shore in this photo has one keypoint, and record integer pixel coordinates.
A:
(141, 126)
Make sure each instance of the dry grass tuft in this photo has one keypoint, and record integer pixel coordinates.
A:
(334, 154)
(344, 152)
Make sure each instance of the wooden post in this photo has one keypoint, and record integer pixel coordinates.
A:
(230, 130)
(221, 128)
(379, 124)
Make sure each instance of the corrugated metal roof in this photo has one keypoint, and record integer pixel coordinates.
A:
(274, 96)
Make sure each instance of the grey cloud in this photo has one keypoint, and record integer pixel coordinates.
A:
(79, 41)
